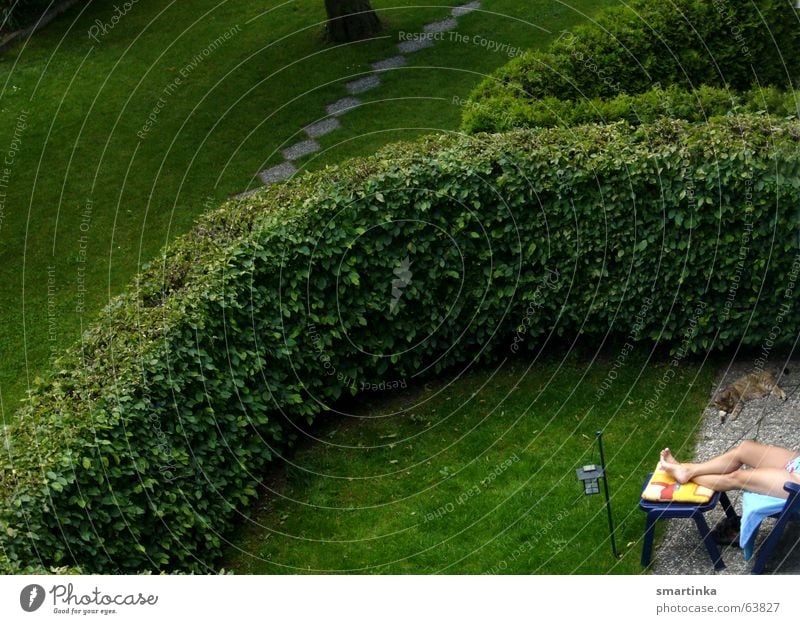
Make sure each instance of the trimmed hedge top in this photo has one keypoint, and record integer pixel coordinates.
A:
(646, 44)
(144, 446)
(698, 105)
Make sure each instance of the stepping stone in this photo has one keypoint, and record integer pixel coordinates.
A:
(322, 128)
(277, 173)
(392, 62)
(342, 106)
(435, 27)
(407, 47)
(246, 194)
(363, 84)
(298, 150)
(469, 7)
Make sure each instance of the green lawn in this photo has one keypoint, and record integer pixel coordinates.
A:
(477, 475)
(88, 200)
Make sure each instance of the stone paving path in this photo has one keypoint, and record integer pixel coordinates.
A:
(331, 122)
(766, 420)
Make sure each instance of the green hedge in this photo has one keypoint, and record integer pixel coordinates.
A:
(17, 14)
(630, 49)
(675, 102)
(144, 447)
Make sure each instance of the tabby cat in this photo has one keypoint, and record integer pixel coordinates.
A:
(730, 401)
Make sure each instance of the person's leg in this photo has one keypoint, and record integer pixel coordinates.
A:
(767, 481)
(747, 453)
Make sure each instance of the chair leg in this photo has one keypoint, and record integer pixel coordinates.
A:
(769, 545)
(727, 507)
(711, 545)
(649, 534)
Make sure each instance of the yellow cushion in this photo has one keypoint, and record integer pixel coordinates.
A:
(662, 488)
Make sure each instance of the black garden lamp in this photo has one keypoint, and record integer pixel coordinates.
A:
(590, 475)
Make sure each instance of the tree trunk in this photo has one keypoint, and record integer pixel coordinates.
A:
(350, 20)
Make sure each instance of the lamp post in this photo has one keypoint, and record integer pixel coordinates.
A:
(590, 476)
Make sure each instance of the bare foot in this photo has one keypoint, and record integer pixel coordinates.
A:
(671, 466)
(666, 456)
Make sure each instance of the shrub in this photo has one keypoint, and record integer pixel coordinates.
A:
(630, 49)
(143, 447)
(698, 105)
(17, 14)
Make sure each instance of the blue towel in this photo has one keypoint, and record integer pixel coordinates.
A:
(756, 507)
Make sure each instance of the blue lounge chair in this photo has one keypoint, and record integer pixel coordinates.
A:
(756, 507)
(661, 511)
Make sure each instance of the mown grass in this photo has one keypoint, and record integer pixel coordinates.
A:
(476, 475)
(88, 201)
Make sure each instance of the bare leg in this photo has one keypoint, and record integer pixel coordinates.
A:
(747, 453)
(767, 481)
